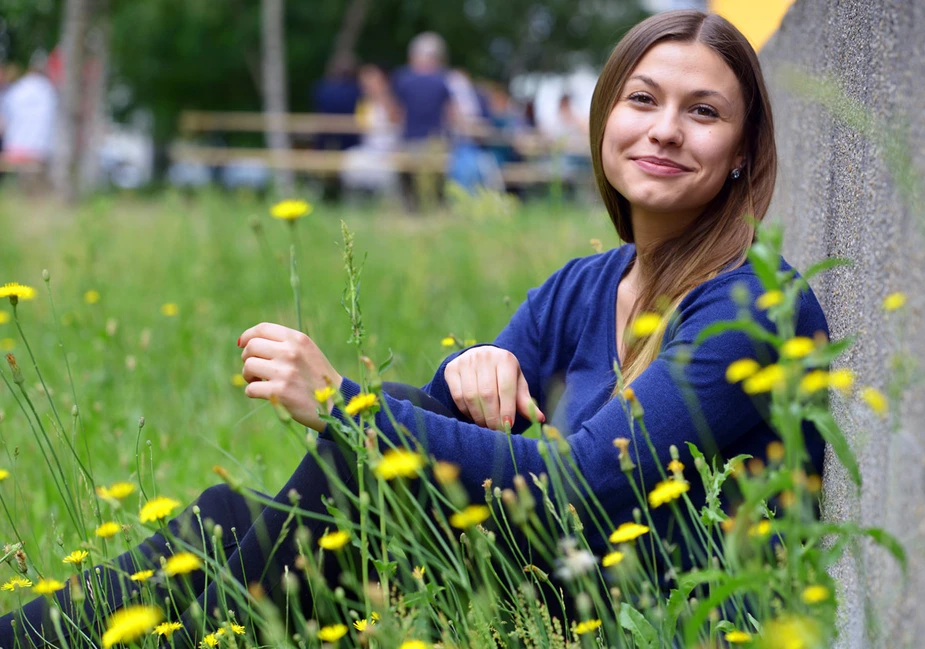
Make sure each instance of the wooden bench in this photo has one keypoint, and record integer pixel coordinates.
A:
(533, 147)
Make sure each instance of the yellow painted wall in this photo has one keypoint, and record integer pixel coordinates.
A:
(757, 19)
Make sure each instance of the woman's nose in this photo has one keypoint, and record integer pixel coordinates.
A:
(666, 128)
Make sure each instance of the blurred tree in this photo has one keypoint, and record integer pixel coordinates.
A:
(74, 30)
(275, 96)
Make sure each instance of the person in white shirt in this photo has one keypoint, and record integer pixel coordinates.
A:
(27, 116)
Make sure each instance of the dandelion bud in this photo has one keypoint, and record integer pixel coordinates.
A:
(576, 520)
(46, 276)
(75, 411)
(339, 593)
(218, 532)
(14, 367)
(290, 583)
(674, 452)
(196, 510)
(637, 514)
(141, 423)
(626, 462)
(497, 493)
(149, 443)
(539, 574)
(294, 497)
(698, 463)
(486, 485)
(21, 562)
(583, 601)
(527, 501)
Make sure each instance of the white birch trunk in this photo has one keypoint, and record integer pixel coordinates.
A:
(65, 162)
(275, 97)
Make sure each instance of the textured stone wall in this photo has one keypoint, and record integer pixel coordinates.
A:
(838, 197)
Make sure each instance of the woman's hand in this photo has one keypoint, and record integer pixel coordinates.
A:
(284, 363)
(488, 387)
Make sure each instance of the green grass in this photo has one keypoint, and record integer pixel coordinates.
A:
(424, 277)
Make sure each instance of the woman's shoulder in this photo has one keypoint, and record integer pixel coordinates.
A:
(741, 287)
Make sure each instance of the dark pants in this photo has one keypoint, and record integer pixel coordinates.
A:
(257, 541)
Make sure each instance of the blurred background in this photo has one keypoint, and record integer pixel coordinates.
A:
(355, 97)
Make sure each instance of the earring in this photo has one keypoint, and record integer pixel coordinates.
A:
(736, 173)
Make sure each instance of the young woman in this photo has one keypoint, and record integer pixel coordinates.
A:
(683, 151)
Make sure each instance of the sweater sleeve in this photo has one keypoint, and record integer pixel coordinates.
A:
(689, 402)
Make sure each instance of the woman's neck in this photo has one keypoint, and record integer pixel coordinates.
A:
(651, 229)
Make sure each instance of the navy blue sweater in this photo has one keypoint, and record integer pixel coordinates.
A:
(564, 336)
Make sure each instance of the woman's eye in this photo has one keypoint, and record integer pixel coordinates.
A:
(705, 111)
(640, 97)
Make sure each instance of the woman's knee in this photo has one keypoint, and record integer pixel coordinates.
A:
(222, 505)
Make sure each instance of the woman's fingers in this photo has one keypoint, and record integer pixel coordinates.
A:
(454, 382)
(260, 389)
(267, 330)
(488, 394)
(259, 369)
(262, 348)
(507, 374)
(525, 404)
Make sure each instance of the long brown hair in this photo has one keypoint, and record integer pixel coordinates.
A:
(721, 236)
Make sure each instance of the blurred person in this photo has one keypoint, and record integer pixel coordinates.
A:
(28, 112)
(337, 93)
(368, 166)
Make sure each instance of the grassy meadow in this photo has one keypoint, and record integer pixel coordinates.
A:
(115, 263)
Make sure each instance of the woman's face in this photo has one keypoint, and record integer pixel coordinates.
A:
(675, 132)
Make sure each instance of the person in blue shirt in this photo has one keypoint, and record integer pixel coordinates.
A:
(683, 150)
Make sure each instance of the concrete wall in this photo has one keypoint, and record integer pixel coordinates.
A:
(838, 198)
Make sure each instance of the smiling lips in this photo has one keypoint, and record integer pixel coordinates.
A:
(660, 166)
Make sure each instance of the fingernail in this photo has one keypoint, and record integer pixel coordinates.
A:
(239, 341)
(542, 418)
(508, 422)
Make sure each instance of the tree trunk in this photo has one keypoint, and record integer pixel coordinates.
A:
(275, 99)
(67, 155)
(349, 33)
(97, 114)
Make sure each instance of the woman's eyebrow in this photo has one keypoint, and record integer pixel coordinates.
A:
(699, 94)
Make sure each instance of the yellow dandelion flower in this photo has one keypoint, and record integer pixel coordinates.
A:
(290, 210)
(16, 582)
(776, 451)
(413, 644)
(362, 625)
(142, 575)
(470, 516)
(361, 403)
(116, 491)
(766, 300)
(4, 474)
(181, 564)
(92, 296)
(399, 462)
(814, 381)
(587, 626)
(238, 380)
(325, 394)
(4, 317)
(761, 528)
(449, 341)
(612, 559)
(170, 309)
(676, 466)
(842, 380)
(627, 532)
(334, 540)
(16, 291)
(47, 586)
(238, 629)
(108, 529)
(815, 594)
(130, 623)
(738, 637)
(814, 484)
(791, 632)
(332, 633)
(741, 369)
(797, 347)
(157, 509)
(76, 557)
(418, 572)
(645, 324)
(765, 380)
(446, 472)
(666, 491)
(876, 400)
(209, 641)
(167, 628)
(7, 344)
(894, 301)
